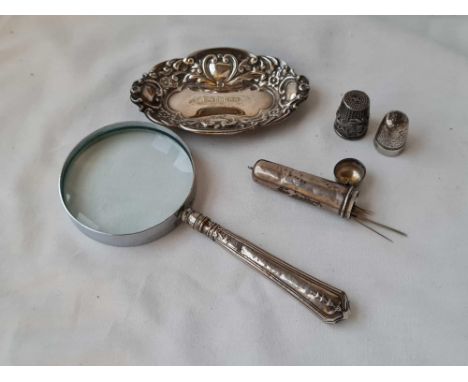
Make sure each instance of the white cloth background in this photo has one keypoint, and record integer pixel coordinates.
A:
(66, 299)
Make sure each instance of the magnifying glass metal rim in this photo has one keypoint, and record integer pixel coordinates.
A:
(135, 238)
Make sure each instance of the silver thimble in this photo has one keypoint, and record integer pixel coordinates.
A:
(391, 136)
(352, 117)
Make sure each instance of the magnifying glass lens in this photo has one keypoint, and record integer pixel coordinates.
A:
(128, 180)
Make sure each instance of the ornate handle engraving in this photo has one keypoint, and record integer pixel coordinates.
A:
(329, 303)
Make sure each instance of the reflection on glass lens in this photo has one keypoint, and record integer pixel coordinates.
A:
(128, 181)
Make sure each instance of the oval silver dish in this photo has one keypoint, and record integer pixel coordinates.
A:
(219, 91)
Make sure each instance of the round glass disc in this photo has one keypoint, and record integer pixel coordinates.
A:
(127, 180)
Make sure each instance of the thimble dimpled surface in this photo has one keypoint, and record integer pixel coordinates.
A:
(352, 117)
(356, 101)
(392, 134)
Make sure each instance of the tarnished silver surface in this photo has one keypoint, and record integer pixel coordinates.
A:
(350, 172)
(392, 134)
(339, 198)
(320, 192)
(329, 303)
(219, 91)
(352, 116)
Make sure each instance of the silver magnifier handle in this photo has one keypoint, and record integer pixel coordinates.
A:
(329, 303)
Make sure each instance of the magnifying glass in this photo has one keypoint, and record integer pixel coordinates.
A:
(132, 182)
